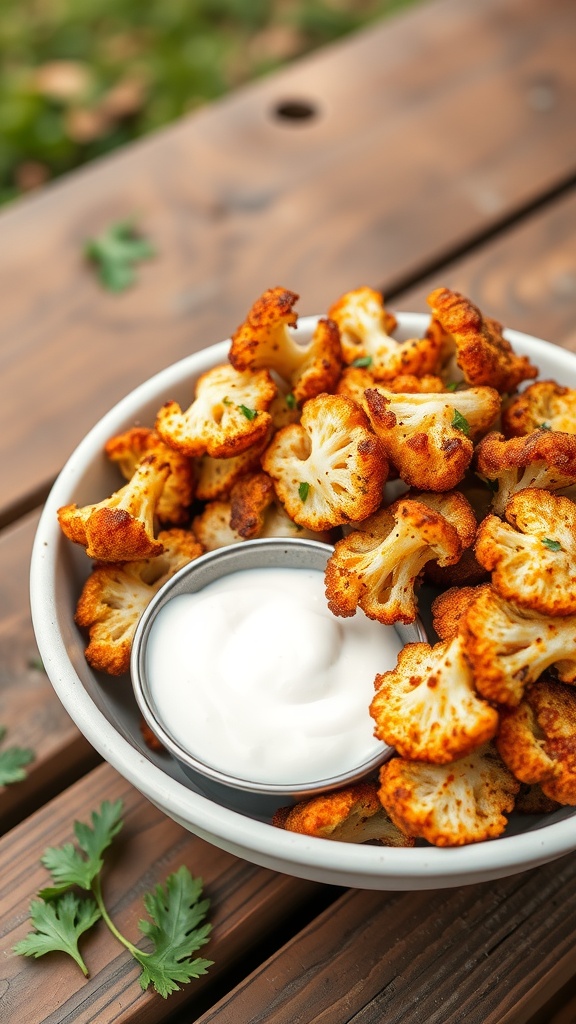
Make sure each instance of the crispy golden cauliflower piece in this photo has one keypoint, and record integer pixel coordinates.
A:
(212, 526)
(250, 498)
(263, 340)
(427, 707)
(329, 469)
(482, 352)
(463, 802)
(365, 330)
(377, 566)
(537, 739)
(449, 607)
(127, 450)
(120, 528)
(215, 478)
(544, 459)
(351, 815)
(429, 437)
(509, 647)
(532, 556)
(543, 405)
(228, 415)
(114, 597)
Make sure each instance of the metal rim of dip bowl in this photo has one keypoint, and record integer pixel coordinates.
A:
(296, 553)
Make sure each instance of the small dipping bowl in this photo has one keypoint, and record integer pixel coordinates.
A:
(264, 553)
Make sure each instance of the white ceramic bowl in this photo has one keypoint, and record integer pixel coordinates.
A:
(105, 710)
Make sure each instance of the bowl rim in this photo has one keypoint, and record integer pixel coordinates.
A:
(362, 866)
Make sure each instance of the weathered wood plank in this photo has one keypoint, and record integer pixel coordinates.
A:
(248, 903)
(484, 954)
(29, 708)
(462, 113)
(526, 278)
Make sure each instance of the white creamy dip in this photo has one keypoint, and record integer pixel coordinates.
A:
(257, 678)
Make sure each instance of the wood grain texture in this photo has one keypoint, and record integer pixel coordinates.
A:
(29, 709)
(247, 903)
(526, 277)
(484, 954)
(462, 113)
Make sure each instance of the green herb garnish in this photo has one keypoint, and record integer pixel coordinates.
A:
(291, 401)
(452, 385)
(226, 400)
(13, 761)
(544, 426)
(303, 489)
(461, 423)
(250, 414)
(115, 253)
(60, 917)
(552, 545)
(362, 361)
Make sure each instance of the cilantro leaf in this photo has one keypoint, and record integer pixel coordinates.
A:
(303, 489)
(452, 385)
(362, 361)
(291, 401)
(13, 760)
(250, 414)
(461, 423)
(544, 426)
(115, 252)
(552, 545)
(59, 925)
(176, 930)
(68, 866)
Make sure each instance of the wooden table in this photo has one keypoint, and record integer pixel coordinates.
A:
(439, 148)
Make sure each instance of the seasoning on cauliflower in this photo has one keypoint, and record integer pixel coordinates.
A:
(509, 647)
(329, 469)
(120, 528)
(351, 815)
(463, 802)
(544, 405)
(532, 556)
(545, 459)
(263, 340)
(427, 707)
(114, 597)
(228, 414)
(482, 352)
(127, 449)
(377, 565)
(429, 437)
(365, 330)
(537, 739)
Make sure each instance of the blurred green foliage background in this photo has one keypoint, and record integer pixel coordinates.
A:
(81, 77)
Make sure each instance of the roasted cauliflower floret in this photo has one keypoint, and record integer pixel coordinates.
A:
(365, 330)
(463, 802)
(482, 352)
(509, 647)
(329, 469)
(537, 740)
(263, 340)
(215, 478)
(227, 416)
(249, 500)
(212, 526)
(544, 459)
(120, 528)
(127, 450)
(449, 608)
(427, 707)
(532, 556)
(376, 566)
(114, 597)
(429, 437)
(544, 405)
(352, 815)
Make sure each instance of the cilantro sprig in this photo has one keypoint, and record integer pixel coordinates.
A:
(460, 423)
(552, 545)
(13, 761)
(116, 252)
(176, 929)
(362, 362)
